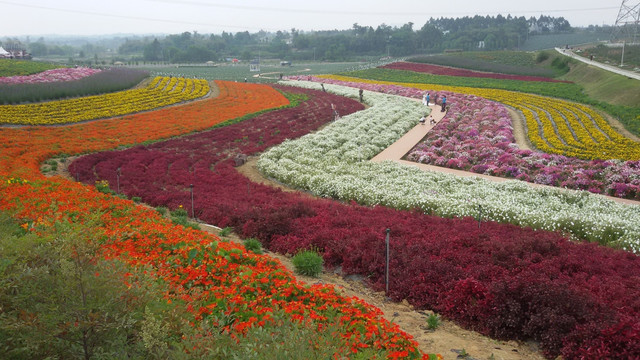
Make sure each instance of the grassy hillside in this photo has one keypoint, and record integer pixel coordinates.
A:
(505, 62)
(605, 86)
(541, 42)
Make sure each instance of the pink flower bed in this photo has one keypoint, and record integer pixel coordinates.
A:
(62, 74)
(447, 71)
(477, 136)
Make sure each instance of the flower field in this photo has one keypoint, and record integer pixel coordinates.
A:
(53, 75)
(162, 91)
(105, 81)
(499, 279)
(572, 92)
(447, 71)
(330, 163)
(489, 154)
(559, 126)
(10, 67)
(221, 285)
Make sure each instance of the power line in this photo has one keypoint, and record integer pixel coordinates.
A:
(128, 17)
(359, 12)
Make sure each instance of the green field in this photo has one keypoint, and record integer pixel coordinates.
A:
(505, 62)
(9, 67)
(541, 42)
(604, 85)
(269, 72)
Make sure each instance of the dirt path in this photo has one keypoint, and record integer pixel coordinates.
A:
(519, 129)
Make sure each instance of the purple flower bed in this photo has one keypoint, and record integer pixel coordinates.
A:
(578, 300)
(477, 136)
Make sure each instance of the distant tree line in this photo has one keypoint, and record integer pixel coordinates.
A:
(436, 35)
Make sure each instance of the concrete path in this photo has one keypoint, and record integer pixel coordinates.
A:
(402, 146)
(614, 69)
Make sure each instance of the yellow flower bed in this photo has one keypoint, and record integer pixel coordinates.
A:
(553, 125)
(161, 91)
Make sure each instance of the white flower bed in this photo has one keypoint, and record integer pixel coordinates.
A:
(332, 163)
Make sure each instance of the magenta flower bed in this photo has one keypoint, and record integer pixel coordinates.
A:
(578, 300)
(55, 75)
(447, 71)
(477, 136)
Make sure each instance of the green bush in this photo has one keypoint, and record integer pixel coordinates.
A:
(162, 210)
(179, 213)
(226, 231)
(433, 321)
(542, 56)
(308, 263)
(253, 245)
(103, 187)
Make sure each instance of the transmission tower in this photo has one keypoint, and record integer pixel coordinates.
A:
(626, 27)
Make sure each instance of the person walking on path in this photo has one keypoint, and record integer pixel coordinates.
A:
(360, 93)
(444, 103)
(435, 99)
(428, 96)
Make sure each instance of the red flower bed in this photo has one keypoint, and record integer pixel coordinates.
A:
(577, 300)
(448, 71)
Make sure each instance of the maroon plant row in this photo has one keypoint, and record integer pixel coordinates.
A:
(447, 71)
(578, 300)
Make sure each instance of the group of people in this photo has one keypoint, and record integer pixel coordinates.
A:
(427, 97)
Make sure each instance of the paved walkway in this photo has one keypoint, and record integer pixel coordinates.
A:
(614, 69)
(402, 146)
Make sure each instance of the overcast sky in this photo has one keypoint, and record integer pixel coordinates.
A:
(93, 17)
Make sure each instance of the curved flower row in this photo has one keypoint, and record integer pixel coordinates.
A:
(54, 75)
(237, 285)
(448, 71)
(498, 279)
(612, 177)
(555, 126)
(570, 129)
(329, 163)
(162, 91)
(23, 149)
(477, 136)
(217, 280)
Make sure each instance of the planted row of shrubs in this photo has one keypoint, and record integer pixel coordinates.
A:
(106, 81)
(502, 280)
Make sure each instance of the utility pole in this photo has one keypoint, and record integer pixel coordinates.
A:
(627, 22)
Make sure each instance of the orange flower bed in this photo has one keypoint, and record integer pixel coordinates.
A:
(23, 149)
(208, 276)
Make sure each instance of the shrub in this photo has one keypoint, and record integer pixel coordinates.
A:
(433, 321)
(253, 245)
(103, 187)
(225, 231)
(542, 56)
(308, 263)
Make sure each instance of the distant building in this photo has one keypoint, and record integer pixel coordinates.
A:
(14, 54)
